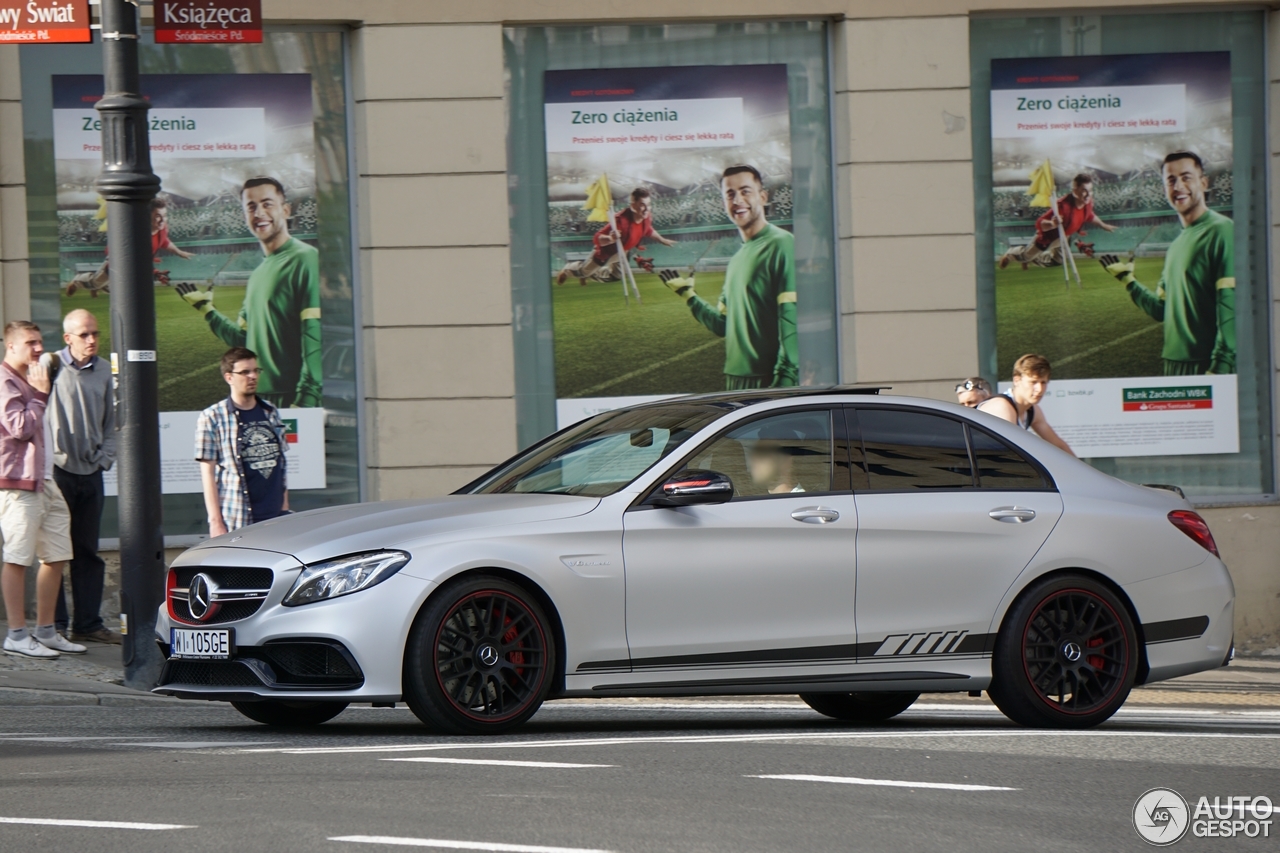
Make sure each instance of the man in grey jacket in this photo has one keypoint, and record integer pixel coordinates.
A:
(82, 408)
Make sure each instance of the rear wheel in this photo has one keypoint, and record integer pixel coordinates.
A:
(1066, 656)
(479, 658)
(278, 712)
(860, 707)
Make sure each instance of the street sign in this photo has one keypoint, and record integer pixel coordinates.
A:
(44, 21)
(208, 21)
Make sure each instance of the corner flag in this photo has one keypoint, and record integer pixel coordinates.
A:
(1042, 186)
(599, 200)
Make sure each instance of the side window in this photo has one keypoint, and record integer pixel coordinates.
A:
(1000, 466)
(914, 450)
(780, 455)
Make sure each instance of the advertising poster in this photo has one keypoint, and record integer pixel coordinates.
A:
(673, 261)
(1136, 312)
(234, 244)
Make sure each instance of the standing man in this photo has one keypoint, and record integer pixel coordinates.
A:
(280, 317)
(1073, 211)
(33, 518)
(634, 225)
(82, 413)
(1030, 381)
(240, 446)
(1196, 296)
(756, 313)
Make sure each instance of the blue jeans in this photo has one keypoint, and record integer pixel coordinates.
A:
(83, 494)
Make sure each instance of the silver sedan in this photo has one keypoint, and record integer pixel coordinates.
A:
(856, 549)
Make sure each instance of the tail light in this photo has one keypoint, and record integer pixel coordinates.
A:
(1194, 526)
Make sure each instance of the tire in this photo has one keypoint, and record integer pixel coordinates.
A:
(1066, 656)
(479, 658)
(860, 707)
(280, 712)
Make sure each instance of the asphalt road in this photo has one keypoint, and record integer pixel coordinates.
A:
(628, 776)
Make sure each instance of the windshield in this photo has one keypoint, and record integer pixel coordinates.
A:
(601, 455)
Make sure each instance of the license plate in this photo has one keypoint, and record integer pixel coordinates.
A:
(202, 644)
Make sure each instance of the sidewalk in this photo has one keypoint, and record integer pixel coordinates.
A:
(93, 678)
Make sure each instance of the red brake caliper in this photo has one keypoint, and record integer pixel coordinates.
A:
(516, 657)
(1095, 661)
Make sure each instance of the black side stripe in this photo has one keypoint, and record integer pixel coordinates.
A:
(799, 681)
(1175, 629)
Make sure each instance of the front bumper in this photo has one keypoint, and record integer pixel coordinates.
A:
(350, 648)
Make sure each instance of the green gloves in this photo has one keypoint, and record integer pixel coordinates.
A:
(201, 300)
(682, 287)
(1122, 270)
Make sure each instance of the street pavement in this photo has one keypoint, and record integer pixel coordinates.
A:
(89, 765)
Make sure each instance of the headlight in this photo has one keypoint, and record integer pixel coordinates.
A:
(344, 576)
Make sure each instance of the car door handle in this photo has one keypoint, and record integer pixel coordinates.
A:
(815, 515)
(1013, 514)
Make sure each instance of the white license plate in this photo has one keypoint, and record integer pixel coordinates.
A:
(202, 644)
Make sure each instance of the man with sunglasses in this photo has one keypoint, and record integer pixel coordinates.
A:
(82, 416)
(240, 445)
(973, 391)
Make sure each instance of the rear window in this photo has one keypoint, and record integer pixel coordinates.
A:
(1000, 466)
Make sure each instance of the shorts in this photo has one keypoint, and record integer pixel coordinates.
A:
(35, 524)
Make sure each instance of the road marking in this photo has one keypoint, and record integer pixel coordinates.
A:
(197, 744)
(93, 824)
(497, 763)
(67, 739)
(884, 783)
(461, 845)
(765, 738)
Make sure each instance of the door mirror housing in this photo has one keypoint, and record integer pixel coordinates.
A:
(692, 487)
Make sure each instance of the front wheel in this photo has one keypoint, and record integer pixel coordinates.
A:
(1066, 656)
(273, 712)
(479, 658)
(860, 707)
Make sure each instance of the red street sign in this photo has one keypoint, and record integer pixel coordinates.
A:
(44, 21)
(208, 21)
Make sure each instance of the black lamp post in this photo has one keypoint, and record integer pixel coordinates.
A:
(128, 186)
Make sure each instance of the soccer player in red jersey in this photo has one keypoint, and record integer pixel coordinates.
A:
(96, 282)
(1074, 211)
(634, 225)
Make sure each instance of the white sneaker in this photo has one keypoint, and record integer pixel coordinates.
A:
(60, 643)
(29, 646)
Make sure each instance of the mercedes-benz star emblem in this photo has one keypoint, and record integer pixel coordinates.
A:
(200, 598)
(1071, 651)
(488, 655)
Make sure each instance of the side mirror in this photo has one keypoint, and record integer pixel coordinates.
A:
(692, 487)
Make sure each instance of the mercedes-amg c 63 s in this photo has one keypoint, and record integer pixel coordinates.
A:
(853, 548)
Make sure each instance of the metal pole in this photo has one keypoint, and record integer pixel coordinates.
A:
(128, 185)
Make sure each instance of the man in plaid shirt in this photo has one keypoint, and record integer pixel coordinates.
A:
(240, 445)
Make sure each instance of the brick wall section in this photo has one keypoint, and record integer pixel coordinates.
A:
(15, 297)
(905, 189)
(436, 284)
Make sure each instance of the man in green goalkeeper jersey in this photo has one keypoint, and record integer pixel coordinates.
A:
(280, 317)
(756, 312)
(1196, 296)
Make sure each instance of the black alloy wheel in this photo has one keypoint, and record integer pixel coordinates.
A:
(284, 712)
(479, 658)
(860, 707)
(1066, 656)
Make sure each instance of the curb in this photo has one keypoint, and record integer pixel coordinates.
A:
(23, 696)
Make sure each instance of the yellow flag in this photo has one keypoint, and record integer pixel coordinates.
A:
(102, 215)
(599, 200)
(1042, 186)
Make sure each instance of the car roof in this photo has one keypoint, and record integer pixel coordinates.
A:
(738, 399)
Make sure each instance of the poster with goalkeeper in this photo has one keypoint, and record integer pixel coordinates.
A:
(669, 207)
(1115, 246)
(234, 233)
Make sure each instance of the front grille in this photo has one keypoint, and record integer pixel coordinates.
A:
(208, 673)
(249, 579)
(228, 578)
(310, 661)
